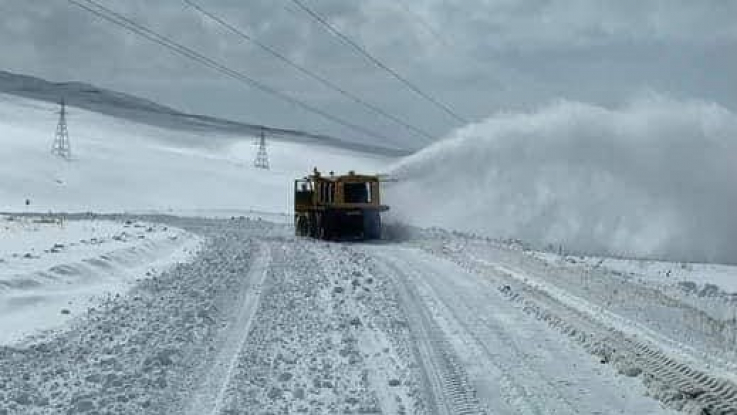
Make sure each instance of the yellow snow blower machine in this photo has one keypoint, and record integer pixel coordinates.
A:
(338, 207)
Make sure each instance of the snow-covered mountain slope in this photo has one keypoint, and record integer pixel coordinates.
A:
(120, 165)
(655, 179)
(128, 107)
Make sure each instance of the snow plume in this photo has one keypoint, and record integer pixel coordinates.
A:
(656, 178)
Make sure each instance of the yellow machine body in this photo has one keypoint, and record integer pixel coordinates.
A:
(338, 207)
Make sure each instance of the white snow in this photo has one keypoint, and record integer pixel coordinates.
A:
(123, 166)
(52, 270)
(661, 272)
(654, 178)
(515, 363)
(442, 323)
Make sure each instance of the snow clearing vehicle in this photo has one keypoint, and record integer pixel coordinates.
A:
(338, 207)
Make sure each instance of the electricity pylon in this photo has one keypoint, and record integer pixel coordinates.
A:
(62, 147)
(262, 158)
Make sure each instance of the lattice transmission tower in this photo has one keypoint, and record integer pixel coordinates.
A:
(262, 158)
(62, 146)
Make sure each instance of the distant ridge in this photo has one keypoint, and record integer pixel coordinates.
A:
(129, 107)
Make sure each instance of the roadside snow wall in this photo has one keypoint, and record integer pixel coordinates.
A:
(656, 178)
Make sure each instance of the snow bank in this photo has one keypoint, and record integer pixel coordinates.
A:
(52, 270)
(705, 280)
(655, 178)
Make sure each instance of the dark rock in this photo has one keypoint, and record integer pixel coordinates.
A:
(299, 393)
(93, 378)
(83, 406)
(631, 371)
(274, 393)
(23, 398)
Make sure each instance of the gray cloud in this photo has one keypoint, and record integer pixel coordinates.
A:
(487, 55)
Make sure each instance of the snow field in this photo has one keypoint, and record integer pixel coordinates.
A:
(52, 269)
(122, 166)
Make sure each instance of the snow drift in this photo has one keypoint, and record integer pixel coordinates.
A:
(656, 178)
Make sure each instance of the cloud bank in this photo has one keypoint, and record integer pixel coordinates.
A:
(477, 56)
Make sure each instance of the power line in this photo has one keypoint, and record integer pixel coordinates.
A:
(306, 71)
(120, 20)
(362, 51)
(423, 22)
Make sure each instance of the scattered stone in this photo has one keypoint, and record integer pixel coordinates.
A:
(299, 393)
(23, 398)
(93, 378)
(631, 371)
(275, 393)
(84, 405)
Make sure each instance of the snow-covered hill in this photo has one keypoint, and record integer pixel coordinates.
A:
(121, 165)
(654, 179)
(139, 110)
(51, 272)
(166, 314)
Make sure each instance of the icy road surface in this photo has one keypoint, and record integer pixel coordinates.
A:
(262, 322)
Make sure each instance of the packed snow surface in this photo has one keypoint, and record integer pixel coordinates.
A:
(654, 179)
(51, 270)
(120, 165)
(264, 322)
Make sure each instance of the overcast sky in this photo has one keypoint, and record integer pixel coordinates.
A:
(476, 56)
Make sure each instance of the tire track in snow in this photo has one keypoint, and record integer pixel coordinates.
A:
(522, 388)
(673, 382)
(209, 397)
(446, 380)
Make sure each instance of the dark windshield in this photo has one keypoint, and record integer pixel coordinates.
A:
(356, 193)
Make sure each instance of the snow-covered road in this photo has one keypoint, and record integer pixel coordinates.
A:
(263, 322)
(516, 364)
